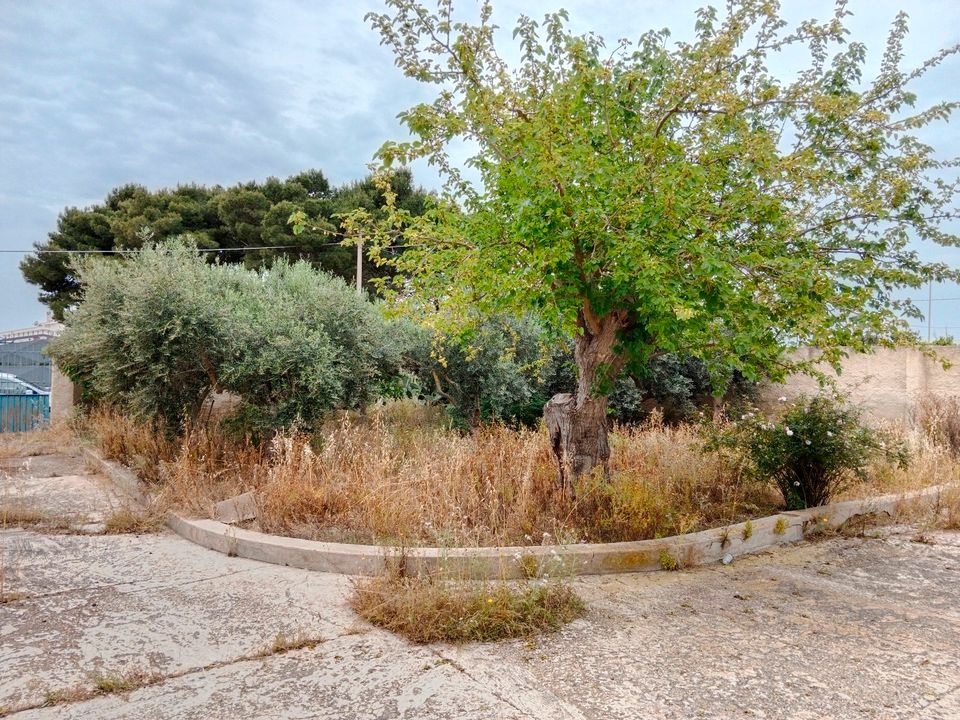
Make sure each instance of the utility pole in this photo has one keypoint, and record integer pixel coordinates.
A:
(929, 307)
(360, 265)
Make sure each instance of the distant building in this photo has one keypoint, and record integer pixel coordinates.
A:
(21, 352)
(45, 330)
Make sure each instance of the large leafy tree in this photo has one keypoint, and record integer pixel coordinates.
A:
(658, 197)
(252, 215)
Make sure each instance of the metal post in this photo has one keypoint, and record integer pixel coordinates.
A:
(929, 307)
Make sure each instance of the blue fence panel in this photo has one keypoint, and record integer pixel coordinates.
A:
(19, 413)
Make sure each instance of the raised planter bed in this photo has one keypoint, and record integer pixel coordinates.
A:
(707, 546)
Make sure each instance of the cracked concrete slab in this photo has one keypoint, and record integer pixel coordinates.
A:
(844, 628)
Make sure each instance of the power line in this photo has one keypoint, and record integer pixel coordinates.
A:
(125, 251)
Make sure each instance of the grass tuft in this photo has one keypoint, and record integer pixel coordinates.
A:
(284, 643)
(427, 610)
(21, 516)
(668, 561)
(131, 522)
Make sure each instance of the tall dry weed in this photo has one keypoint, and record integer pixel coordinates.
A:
(400, 475)
(938, 416)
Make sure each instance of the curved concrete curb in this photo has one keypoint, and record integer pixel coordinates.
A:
(699, 548)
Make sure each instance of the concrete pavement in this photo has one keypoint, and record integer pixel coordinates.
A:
(843, 628)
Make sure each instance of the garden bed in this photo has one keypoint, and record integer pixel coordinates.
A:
(397, 477)
(550, 561)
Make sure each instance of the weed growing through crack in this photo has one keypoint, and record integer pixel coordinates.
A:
(284, 643)
(668, 561)
(109, 683)
(724, 537)
(747, 530)
(781, 527)
(133, 522)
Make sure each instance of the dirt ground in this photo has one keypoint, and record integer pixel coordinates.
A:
(843, 628)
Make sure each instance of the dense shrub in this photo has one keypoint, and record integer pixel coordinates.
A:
(149, 336)
(301, 342)
(157, 333)
(507, 369)
(814, 450)
(494, 374)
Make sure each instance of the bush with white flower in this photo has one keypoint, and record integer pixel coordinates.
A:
(814, 450)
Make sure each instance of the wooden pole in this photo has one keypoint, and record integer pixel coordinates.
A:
(360, 265)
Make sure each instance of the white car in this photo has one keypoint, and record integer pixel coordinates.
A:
(12, 385)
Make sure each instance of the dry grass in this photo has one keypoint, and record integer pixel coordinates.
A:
(110, 683)
(144, 447)
(931, 463)
(20, 515)
(399, 476)
(949, 509)
(127, 521)
(45, 441)
(284, 643)
(938, 417)
(427, 610)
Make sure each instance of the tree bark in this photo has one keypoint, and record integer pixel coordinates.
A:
(577, 423)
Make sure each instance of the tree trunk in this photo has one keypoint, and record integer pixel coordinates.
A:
(577, 423)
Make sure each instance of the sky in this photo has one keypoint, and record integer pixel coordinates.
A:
(96, 94)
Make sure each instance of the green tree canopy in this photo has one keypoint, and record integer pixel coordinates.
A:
(247, 215)
(656, 197)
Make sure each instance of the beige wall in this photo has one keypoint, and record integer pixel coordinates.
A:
(62, 395)
(885, 383)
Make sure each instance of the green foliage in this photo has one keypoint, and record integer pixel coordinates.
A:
(506, 369)
(149, 335)
(301, 343)
(158, 333)
(494, 374)
(680, 195)
(668, 561)
(813, 450)
(247, 215)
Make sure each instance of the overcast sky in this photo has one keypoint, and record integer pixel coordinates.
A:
(95, 94)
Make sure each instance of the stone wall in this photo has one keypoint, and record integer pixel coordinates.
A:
(885, 383)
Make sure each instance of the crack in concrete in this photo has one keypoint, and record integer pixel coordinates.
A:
(459, 667)
(107, 586)
(262, 654)
(943, 696)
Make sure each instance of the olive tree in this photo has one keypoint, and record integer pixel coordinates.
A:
(656, 197)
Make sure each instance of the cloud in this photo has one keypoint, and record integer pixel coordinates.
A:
(100, 93)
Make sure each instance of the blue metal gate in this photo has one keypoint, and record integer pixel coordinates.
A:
(19, 413)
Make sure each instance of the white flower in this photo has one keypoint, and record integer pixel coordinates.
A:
(789, 432)
(807, 442)
(829, 434)
(782, 398)
(796, 483)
